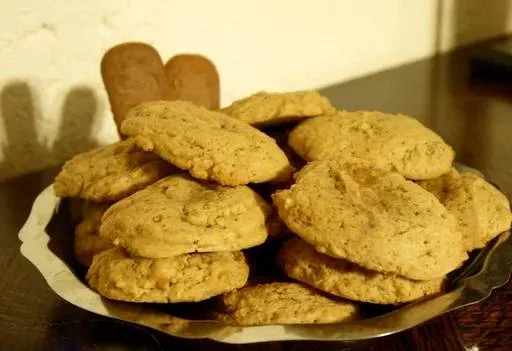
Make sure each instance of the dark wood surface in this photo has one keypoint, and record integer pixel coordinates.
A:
(475, 117)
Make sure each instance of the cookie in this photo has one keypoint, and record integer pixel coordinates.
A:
(209, 145)
(339, 277)
(110, 173)
(180, 215)
(372, 217)
(395, 142)
(88, 242)
(268, 109)
(283, 303)
(481, 210)
(194, 78)
(185, 278)
(133, 73)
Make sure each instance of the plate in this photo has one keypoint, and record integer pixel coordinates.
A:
(47, 242)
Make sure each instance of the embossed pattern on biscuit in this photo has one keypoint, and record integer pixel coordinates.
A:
(194, 78)
(133, 73)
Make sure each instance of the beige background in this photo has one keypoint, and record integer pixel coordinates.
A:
(53, 104)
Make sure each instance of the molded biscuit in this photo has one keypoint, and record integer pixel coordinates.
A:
(345, 279)
(210, 145)
(88, 242)
(180, 215)
(110, 173)
(372, 217)
(194, 78)
(482, 211)
(133, 73)
(395, 142)
(266, 109)
(185, 278)
(283, 303)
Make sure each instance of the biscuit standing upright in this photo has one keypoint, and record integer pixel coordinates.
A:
(133, 73)
(194, 78)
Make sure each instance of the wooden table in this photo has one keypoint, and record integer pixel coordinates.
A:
(474, 117)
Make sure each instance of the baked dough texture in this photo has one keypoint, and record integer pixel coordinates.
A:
(481, 210)
(340, 277)
(395, 142)
(209, 145)
(372, 217)
(110, 173)
(283, 303)
(265, 109)
(184, 278)
(180, 215)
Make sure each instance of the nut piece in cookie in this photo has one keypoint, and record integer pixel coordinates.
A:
(395, 142)
(88, 242)
(283, 303)
(342, 278)
(372, 217)
(268, 109)
(209, 145)
(180, 215)
(184, 278)
(110, 173)
(481, 210)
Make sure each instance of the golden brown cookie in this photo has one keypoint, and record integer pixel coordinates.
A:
(194, 78)
(481, 210)
(184, 278)
(340, 277)
(209, 145)
(372, 217)
(110, 173)
(283, 303)
(267, 109)
(88, 242)
(395, 142)
(180, 215)
(133, 73)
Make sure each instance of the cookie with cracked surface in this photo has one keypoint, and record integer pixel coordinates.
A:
(208, 144)
(180, 215)
(110, 172)
(88, 242)
(481, 210)
(185, 278)
(372, 217)
(283, 303)
(395, 142)
(340, 277)
(265, 109)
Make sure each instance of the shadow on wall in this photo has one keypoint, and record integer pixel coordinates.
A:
(23, 151)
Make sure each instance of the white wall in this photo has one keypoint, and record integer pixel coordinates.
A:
(51, 88)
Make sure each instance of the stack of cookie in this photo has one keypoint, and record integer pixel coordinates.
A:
(176, 238)
(376, 215)
(379, 213)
